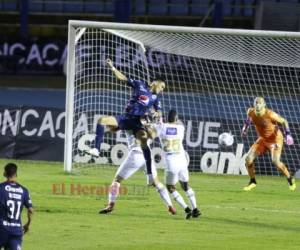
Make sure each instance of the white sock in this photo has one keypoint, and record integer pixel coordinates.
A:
(163, 192)
(113, 192)
(177, 197)
(192, 198)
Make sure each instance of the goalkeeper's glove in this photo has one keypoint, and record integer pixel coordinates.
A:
(244, 132)
(245, 127)
(288, 138)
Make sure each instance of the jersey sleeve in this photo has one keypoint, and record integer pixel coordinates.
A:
(134, 83)
(275, 117)
(27, 200)
(182, 132)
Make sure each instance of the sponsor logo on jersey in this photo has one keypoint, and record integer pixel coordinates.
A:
(14, 190)
(142, 88)
(144, 100)
(171, 131)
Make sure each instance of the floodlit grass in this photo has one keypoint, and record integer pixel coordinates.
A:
(266, 218)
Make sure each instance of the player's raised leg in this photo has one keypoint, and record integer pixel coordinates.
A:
(108, 123)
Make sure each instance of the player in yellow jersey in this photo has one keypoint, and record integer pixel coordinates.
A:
(270, 139)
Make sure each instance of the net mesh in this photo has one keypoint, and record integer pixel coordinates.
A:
(211, 81)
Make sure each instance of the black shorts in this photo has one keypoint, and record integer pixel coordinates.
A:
(133, 123)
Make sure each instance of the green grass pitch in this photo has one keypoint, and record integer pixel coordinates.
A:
(266, 218)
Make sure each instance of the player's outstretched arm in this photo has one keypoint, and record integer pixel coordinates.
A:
(29, 219)
(287, 133)
(245, 127)
(120, 76)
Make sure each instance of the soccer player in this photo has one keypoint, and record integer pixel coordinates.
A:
(13, 197)
(171, 135)
(144, 102)
(133, 162)
(270, 139)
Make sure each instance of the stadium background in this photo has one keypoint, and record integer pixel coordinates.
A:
(33, 53)
(33, 37)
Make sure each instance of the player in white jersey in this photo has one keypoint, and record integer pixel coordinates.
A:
(171, 135)
(133, 162)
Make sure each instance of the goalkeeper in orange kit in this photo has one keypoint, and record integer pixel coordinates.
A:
(270, 139)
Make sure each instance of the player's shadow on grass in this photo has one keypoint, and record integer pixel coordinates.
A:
(252, 224)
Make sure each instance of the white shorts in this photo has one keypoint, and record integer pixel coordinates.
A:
(133, 162)
(176, 169)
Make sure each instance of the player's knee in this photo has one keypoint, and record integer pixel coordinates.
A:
(143, 143)
(248, 160)
(108, 121)
(279, 165)
(159, 186)
(101, 120)
(111, 128)
(171, 188)
(142, 136)
(276, 162)
(184, 185)
(151, 133)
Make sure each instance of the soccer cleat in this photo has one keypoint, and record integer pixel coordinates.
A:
(188, 213)
(108, 209)
(250, 187)
(293, 186)
(172, 210)
(93, 152)
(196, 213)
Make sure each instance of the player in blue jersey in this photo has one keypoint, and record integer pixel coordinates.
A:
(144, 103)
(13, 197)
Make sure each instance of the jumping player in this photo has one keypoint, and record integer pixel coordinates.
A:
(144, 102)
(270, 139)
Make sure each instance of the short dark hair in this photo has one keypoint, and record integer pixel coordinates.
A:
(172, 115)
(10, 170)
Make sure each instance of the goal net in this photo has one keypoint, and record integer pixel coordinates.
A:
(212, 77)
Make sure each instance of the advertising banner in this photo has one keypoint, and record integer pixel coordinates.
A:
(32, 133)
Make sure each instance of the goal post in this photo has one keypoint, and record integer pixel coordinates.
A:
(212, 77)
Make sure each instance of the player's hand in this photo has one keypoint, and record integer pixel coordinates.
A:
(156, 116)
(25, 228)
(109, 63)
(289, 140)
(243, 133)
